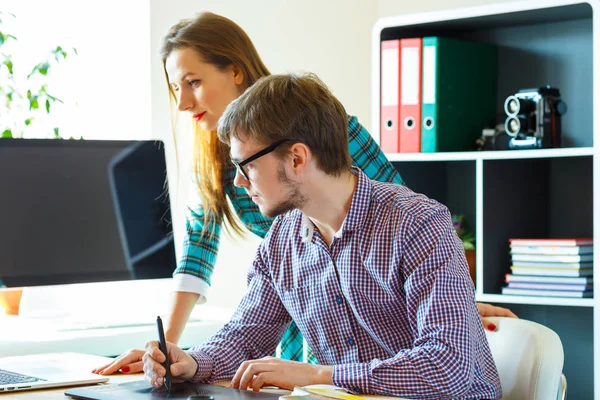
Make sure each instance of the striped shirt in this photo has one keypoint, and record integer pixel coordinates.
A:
(389, 303)
(199, 256)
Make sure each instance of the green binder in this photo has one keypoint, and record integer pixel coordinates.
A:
(459, 80)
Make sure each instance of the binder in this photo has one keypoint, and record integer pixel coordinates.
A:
(410, 95)
(390, 91)
(459, 85)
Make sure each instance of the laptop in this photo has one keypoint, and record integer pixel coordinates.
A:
(43, 371)
(142, 390)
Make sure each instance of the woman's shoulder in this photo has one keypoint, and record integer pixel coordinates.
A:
(356, 131)
(353, 124)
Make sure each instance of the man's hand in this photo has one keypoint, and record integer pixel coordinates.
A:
(488, 310)
(282, 373)
(183, 366)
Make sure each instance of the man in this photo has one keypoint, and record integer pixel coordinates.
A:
(372, 273)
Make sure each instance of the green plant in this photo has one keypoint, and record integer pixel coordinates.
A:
(463, 231)
(25, 97)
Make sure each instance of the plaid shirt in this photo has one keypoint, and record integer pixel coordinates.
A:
(200, 252)
(389, 303)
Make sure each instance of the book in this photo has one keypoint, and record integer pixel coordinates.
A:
(553, 272)
(546, 293)
(323, 391)
(551, 286)
(549, 279)
(552, 242)
(552, 265)
(552, 250)
(555, 258)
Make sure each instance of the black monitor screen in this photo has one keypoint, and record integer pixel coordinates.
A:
(74, 211)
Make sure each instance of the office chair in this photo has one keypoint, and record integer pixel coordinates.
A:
(529, 358)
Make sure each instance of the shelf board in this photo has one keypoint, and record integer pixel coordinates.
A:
(492, 155)
(534, 300)
(152, 249)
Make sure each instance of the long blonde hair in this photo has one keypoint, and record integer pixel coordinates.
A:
(222, 43)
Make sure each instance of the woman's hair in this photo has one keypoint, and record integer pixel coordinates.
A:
(222, 43)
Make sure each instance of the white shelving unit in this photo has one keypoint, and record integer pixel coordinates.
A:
(523, 193)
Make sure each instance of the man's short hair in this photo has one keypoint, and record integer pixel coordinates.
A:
(292, 106)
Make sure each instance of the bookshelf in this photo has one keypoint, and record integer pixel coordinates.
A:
(523, 193)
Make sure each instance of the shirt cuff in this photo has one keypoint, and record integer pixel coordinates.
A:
(192, 284)
(353, 377)
(205, 367)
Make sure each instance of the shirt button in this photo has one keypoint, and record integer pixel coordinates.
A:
(351, 342)
(339, 300)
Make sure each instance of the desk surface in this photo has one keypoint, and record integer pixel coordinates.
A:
(21, 336)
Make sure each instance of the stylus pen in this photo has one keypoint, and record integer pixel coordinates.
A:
(162, 344)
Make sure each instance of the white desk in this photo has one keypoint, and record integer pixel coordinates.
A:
(22, 336)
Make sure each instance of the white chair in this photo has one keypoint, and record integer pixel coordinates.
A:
(529, 358)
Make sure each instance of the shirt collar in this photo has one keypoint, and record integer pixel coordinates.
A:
(359, 208)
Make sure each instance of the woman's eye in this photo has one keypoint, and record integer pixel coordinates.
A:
(194, 82)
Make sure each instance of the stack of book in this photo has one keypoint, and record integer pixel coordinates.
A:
(551, 267)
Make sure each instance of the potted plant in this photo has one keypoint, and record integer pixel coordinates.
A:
(467, 236)
(25, 97)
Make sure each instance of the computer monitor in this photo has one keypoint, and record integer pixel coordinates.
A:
(76, 211)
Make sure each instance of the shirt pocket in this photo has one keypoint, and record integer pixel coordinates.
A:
(301, 302)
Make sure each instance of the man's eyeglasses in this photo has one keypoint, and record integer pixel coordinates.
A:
(240, 165)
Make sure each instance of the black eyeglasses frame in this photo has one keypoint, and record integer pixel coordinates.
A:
(240, 165)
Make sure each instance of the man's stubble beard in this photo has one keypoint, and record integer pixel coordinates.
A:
(294, 198)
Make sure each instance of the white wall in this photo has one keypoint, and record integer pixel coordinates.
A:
(330, 38)
(388, 8)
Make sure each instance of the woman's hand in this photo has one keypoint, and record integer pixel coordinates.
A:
(488, 310)
(128, 363)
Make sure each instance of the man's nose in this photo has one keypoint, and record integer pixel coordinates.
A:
(240, 180)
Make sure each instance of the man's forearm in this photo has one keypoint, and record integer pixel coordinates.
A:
(325, 375)
(182, 304)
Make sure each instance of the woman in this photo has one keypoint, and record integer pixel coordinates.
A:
(209, 61)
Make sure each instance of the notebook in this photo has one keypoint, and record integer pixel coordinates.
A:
(140, 390)
(43, 371)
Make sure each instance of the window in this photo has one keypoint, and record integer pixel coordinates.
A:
(106, 87)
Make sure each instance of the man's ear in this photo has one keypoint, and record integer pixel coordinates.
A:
(300, 157)
(238, 75)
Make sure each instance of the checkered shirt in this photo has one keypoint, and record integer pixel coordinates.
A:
(389, 303)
